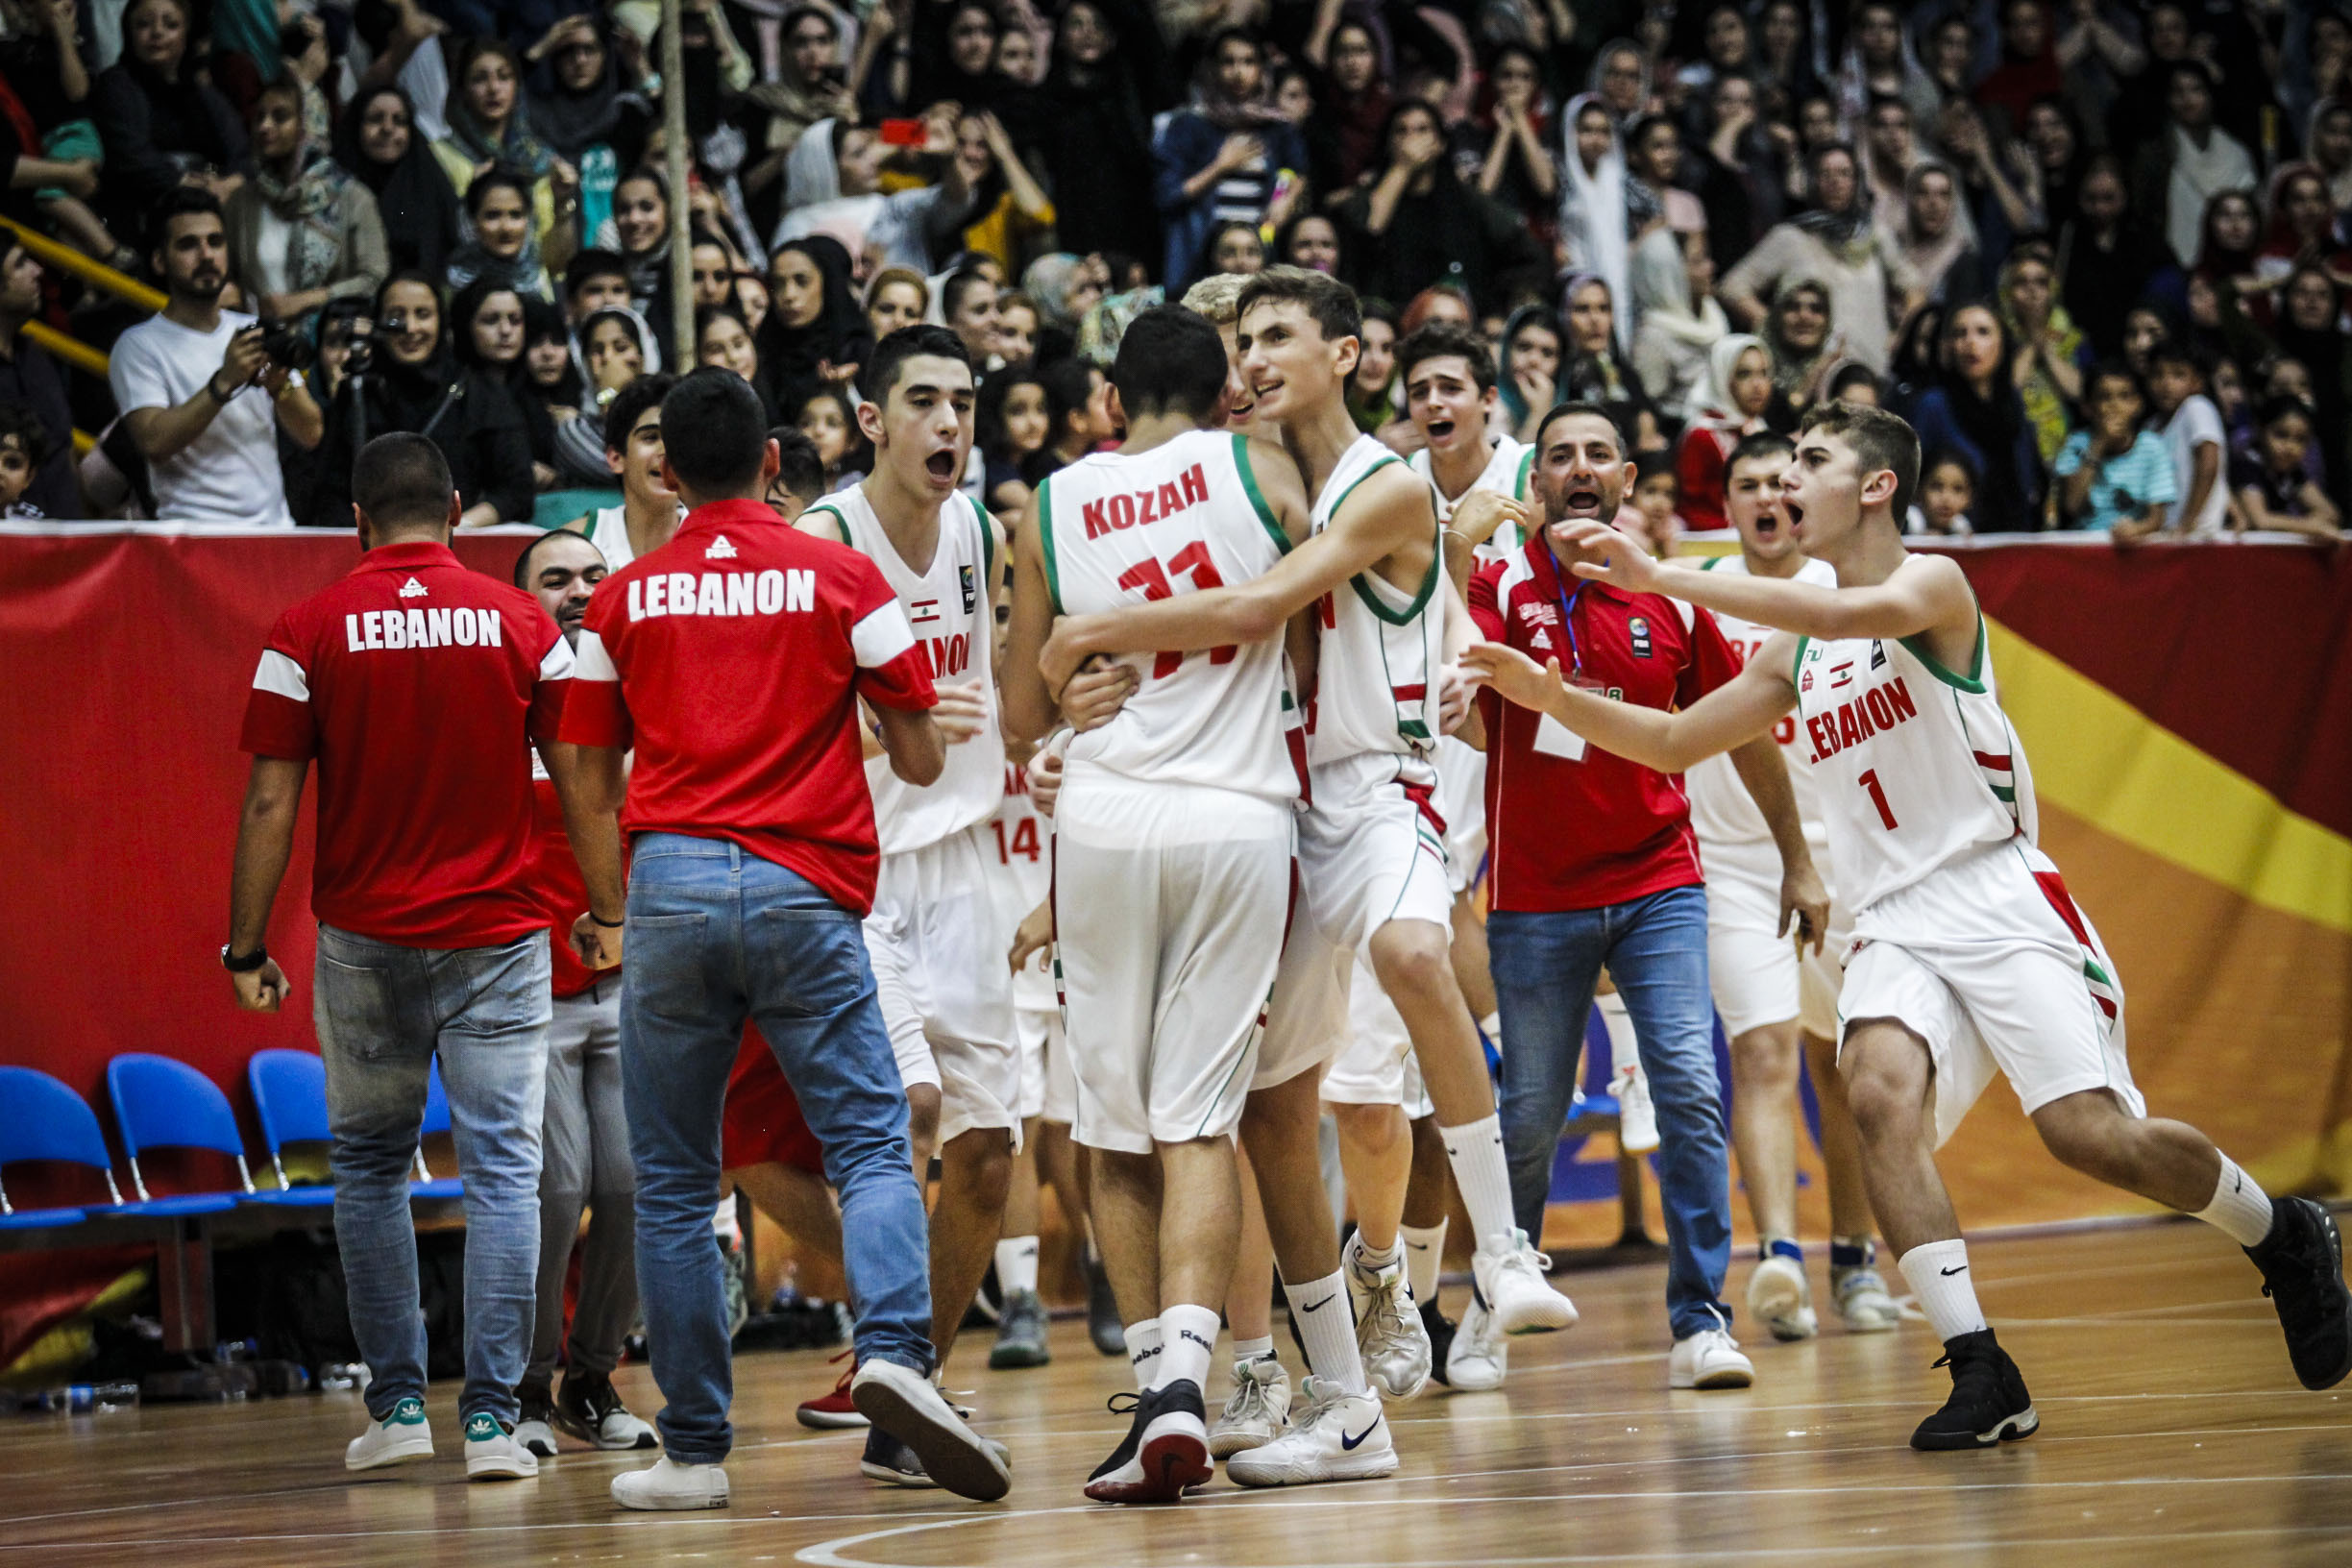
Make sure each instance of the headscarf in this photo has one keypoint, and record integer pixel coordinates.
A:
(1662, 292)
(2322, 351)
(571, 122)
(1593, 211)
(1211, 101)
(420, 211)
(793, 102)
(516, 148)
(515, 378)
(1841, 232)
(1592, 83)
(1932, 258)
(1791, 370)
(1047, 282)
(1711, 399)
(790, 356)
(1604, 377)
(312, 205)
(1506, 384)
(1993, 425)
(2216, 260)
(524, 272)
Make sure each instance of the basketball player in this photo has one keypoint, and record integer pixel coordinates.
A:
(1371, 861)
(936, 935)
(1172, 861)
(1778, 998)
(1970, 958)
(649, 513)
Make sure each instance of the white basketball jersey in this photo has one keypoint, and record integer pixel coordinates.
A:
(607, 529)
(1721, 811)
(954, 619)
(1022, 843)
(1916, 765)
(1120, 528)
(1505, 474)
(1377, 669)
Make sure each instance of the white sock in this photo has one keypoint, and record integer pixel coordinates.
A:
(1620, 1026)
(1475, 1153)
(1017, 1263)
(1143, 1351)
(1492, 1026)
(1376, 1262)
(1260, 1349)
(1188, 1335)
(1329, 1331)
(2240, 1210)
(1424, 1255)
(1939, 1275)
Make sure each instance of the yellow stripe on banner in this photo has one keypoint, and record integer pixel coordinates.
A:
(2104, 760)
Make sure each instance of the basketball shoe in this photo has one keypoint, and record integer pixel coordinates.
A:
(1389, 1329)
(1508, 1274)
(2302, 1266)
(1779, 1298)
(1637, 1131)
(1479, 1356)
(1255, 1412)
(1165, 1452)
(1338, 1436)
(1710, 1359)
(1989, 1402)
(1861, 1294)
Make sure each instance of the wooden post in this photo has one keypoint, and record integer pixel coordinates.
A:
(673, 147)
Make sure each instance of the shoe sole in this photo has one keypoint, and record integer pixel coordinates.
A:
(951, 1454)
(1170, 1464)
(1224, 1445)
(1018, 1357)
(673, 1502)
(406, 1451)
(889, 1477)
(1349, 1468)
(1472, 1384)
(1873, 1322)
(501, 1468)
(2009, 1428)
(829, 1420)
(1780, 1305)
(573, 1429)
(1730, 1378)
(1548, 1313)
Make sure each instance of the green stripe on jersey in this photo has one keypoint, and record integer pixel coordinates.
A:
(1045, 542)
(1249, 484)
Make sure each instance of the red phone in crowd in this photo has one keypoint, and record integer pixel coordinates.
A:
(904, 133)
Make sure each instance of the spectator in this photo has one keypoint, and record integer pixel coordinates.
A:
(1598, 371)
(1935, 237)
(2302, 227)
(1673, 295)
(1221, 157)
(1804, 351)
(416, 383)
(2055, 143)
(2228, 254)
(30, 378)
(1728, 407)
(968, 307)
(722, 339)
(833, 187)
(896, 297)
(1974, 409)
(1654, 155)
(582, 104)
(551, 375)
(2311, 332)
(1527, 369)
(1371, 394)
(815, 334)
(2329, 146)
(1948, 487)
(1788, 55)
(492, 328)
(162, 125)
(420, 888)
(811, 85)
(1346, 136)
(2194, 439)
(2115, 476)
(2052, 353)
(1077, 414)
(1233, 246)
(2107, 256)
(1835, 242)
(415, 205)
(1950, 57)
(1889, 152)
(1417, 224)
(1517, 169)
(1741, 185)
(1596, 235)
(489, 128)
(50, 152)
(2189, 161)
(1017, 323)
(1855, 383)
(23, 446)
(2030, 69)
(186, 380)
(1728, 49)
(1098, 96)
(504, 248)
(1993, 188)
(1311, 241)
(2273, 490)
(1010, 425)
(828, 419)
(1012, 216)
(1878, 64)
(1620, 83)
(302, 231)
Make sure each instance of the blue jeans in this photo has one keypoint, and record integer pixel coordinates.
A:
(1545, 968)
(715, 936)
(382, 1012)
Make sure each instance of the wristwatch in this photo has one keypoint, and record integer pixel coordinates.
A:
(244, 964)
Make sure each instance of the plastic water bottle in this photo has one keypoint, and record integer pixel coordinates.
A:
(117, 1396)
(343, 1375)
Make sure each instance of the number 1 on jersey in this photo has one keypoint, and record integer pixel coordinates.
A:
(1152, 579)
(1868, 780)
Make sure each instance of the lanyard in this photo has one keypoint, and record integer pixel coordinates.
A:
(1567, 605)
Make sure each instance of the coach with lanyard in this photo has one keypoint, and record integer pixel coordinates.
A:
(733, 659)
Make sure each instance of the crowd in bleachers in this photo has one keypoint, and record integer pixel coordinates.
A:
(2097, 250)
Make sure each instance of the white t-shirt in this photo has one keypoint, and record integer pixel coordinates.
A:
(2192, 424)
(229, 474)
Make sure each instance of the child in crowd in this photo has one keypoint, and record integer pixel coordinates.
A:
(1948, 488)
(23, 444)
(2114, 475)
(2275, 491)
(827, 417)
(1649, 514)
(2193, 438)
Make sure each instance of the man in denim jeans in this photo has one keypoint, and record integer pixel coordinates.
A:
(1594, 863)
(419, 687)
(734, 658)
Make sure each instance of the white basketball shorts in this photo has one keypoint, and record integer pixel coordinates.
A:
(937, 939)
(1461, 799)
(1377, 1066)
(1759, 975)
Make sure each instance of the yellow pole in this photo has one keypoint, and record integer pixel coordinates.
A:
(97, 274)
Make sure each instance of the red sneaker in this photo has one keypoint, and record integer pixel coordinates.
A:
(833, 1411)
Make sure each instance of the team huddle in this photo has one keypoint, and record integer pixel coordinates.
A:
(1275, 673)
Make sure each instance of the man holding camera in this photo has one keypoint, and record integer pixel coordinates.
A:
(200, 394)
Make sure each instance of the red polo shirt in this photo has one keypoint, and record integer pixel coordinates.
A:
(418, 686)
(1598, 830)
(732, 658)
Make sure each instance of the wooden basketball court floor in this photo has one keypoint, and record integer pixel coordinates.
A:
(2172, 1434)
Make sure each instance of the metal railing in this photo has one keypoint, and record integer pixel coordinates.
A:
(97, 275)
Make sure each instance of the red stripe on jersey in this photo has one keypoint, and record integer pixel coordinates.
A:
(1987, 759)
(2054, 889)
(2106, 1006)
(1410, 694)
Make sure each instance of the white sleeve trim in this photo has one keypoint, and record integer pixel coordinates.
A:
(881, 637)
(558, 664)
(589, 661)
(282, 675)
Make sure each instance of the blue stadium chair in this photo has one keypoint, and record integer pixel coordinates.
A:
(164, 1104)
(43, 1119)
(436, 1120)
(289, 1090)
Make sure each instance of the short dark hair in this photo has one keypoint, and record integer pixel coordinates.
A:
(1563, 410)
(1763, 446)
(799, 469)
(585, 265)
(1447, 340)
(2114, 370)
(179, 202)
(2278, 405)
(402, 480)
(714, 431)
(23, 421)
(925, 338)
(523, 565)
(2168, 350)
(1336, 310)
(494, 179)
(1069, 384)
(960, 284)
(1881, 440)
(628, 407)
(1170, 361)
(1853, 374)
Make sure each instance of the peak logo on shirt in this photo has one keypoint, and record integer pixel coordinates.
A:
(1113, 513)
(720, 550)
(722, 593)
(412, 589)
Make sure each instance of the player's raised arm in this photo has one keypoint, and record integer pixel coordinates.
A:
(1739, 710)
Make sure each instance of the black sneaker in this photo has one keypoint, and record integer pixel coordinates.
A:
(590, 1409)
(1164, 1453)
(1440, 1331)
(891, 1462)
(536, 1429)
(1103, 1325)
(1989, 1402)
(1123, 1457)
(2302, 1266)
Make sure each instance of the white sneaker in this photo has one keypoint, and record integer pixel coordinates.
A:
(1637, 1117)
(398, 1438)
(1779, 1298)
(492, 1454)
(1338, 1436)
(1255, 1412)
(1508, 1274)
(1479, 1356)
(908, 1406)
(1389, 1334)
(1862, 1299)
(537, 1436)
(1710, 1359)
(669, 1484)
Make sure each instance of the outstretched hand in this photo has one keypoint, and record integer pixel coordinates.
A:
(1512, 675)
(1613, 556)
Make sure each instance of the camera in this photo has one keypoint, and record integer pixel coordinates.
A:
(359, 354)
(287, 346)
